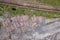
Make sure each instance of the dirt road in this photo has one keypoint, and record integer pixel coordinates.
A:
(33, 6)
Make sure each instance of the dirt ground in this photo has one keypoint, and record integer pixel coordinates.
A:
(24, 28)
(19, 24)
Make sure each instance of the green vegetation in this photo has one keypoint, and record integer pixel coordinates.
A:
(1, 24)
(14, 10)
(49, 23)
(1, 14)
(50, 2)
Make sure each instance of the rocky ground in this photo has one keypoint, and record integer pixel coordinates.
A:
(34, 28)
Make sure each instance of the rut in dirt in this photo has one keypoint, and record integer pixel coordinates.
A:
(33, 6)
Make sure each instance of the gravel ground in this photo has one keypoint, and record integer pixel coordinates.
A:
(23, 28)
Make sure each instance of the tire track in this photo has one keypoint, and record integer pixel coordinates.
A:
(33, 6)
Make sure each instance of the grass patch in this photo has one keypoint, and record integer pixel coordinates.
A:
(1, 24)
(1, 14)
(14, 10)
(50, 2)
(49, 23)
